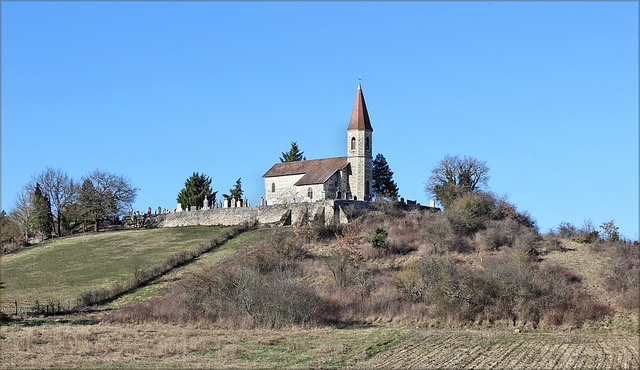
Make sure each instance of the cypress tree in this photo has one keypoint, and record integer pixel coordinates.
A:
(293, 155)
(91, 207)
(235, 192)
(383, 184)
(195, 189)
(43, 218)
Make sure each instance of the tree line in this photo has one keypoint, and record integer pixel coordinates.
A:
(52, 204)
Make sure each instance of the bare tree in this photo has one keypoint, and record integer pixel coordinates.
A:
(60, 188)
(454, 176)
(108, 196)
(22, 212)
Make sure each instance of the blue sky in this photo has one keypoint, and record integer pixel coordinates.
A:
(545, 92)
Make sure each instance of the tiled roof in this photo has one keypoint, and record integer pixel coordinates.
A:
(315, 171)
(359, 115)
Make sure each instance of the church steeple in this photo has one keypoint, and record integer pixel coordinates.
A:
(359, 150)
(359, 115)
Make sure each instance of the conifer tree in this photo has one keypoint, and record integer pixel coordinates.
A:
(382, 178)
(43, 218)
(195, 189)
(235, 192)
(90, 205)
(293, 155)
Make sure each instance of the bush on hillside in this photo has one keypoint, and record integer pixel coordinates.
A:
(287, 245)
(623, 273)
(508, 288)
(470, 212)
(566, 230)
(377, 240)
(240, 293)
(498, 234)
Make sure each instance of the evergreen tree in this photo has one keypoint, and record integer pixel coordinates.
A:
(104, 195)
(383, 184)
(293, 155)
(89, 202)
(196, 188)
(235, 192)
(43, 218)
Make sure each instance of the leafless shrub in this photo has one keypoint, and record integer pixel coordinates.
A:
(346, 256)
(552, 244)
(566, 230)
(508, 288)
(623, 273)
(528, 242)
(461, 244)
(287, 245)
(469, 213)
(235, 292)
(498, 234)
(438, 234)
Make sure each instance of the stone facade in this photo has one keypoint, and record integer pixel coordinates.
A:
(282, 189)
(361, 161)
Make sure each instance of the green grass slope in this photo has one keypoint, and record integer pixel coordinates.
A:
(60, 269)
(161, 284)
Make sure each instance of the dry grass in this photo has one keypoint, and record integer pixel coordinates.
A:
(107, 346)
(585, 263)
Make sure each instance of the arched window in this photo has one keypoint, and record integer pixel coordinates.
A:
(366, 189)
(366, 143)
(273, 187)
(310, 193)
(353, 143)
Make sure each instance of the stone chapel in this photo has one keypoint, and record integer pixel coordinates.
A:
(347, 178)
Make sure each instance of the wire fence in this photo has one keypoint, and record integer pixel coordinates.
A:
(49, 307)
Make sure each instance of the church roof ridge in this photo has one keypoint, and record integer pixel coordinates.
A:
(359, 115)
(315, 171)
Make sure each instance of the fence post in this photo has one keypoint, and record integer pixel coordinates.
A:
(16, 302)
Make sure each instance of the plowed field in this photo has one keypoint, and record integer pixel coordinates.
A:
(161, 346)
(439, 349)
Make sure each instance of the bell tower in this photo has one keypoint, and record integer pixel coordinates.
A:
(359, 149)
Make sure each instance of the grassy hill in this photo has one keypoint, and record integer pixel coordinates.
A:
(502, 296)
(60, 269)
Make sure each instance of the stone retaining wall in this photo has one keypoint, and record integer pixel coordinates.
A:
(330, 211)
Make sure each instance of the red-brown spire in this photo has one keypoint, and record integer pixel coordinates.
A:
(359, 116)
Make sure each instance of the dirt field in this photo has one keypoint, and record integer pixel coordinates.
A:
(106, 346)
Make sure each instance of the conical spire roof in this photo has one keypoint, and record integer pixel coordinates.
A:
(359, 115)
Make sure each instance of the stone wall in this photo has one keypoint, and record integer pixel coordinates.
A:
(333, 212)
(281, 214)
